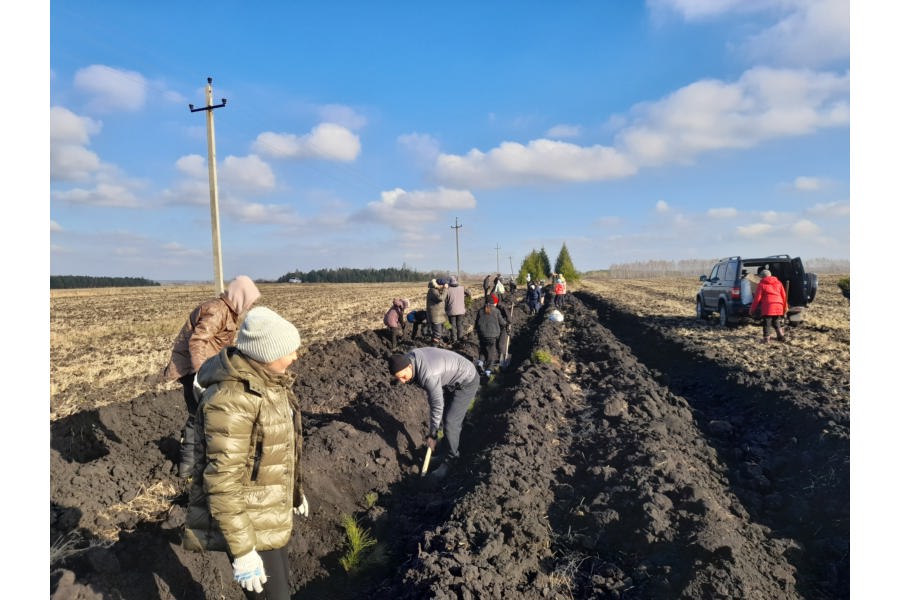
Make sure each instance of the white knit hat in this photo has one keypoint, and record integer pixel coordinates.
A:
(266, 336)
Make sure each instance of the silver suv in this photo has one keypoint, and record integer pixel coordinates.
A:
(728, 289)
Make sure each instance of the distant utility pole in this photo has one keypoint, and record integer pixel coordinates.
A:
(456, 227)
(498, 257)
(510, 268)
(213, 191)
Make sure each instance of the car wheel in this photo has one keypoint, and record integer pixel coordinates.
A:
(701, 314)
(723, 314)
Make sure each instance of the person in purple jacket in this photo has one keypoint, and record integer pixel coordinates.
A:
(449, 379)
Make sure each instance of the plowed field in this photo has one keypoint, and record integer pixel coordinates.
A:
(640, 454)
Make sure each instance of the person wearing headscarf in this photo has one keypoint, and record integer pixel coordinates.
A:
(246, 485)
(210, 327)
(394, 320)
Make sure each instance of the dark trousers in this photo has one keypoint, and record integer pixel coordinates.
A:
(396, 334)
(278, 572)
(188, 436)
(456, 324)
(770, 323)
(455, 411)
(488, 350)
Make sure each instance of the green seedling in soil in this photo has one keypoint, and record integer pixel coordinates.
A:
(358, 540)
(541, 357)
(371, 498)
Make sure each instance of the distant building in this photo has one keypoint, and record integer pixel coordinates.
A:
(295, 280)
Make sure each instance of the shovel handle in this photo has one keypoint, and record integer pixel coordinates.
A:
(427, 460)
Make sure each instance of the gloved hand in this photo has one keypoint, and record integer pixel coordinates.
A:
(431, 442)
(250, 572)
(303, 509)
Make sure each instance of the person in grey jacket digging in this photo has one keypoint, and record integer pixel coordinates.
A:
(450, 381)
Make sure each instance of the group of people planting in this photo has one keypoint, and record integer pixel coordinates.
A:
(241, 443)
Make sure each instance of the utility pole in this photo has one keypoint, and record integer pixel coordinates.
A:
(511, 277)
(498, 257)
(213, 191)
(456, 227)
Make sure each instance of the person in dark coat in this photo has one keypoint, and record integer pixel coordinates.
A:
(533, 298)
(489, 324)
(449, 379)
(771, 298)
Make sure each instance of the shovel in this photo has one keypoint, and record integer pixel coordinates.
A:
(504, 362)
(427, 460)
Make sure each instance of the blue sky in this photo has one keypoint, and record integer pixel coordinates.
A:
(356, 133)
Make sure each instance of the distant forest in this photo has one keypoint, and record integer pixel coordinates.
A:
(685, 268)
(345, 275)
(63, 282)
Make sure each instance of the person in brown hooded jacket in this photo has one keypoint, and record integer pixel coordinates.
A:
(210, 327)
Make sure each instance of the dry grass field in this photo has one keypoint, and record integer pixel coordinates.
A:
(119, 339)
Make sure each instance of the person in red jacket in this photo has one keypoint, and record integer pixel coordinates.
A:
(771, 299)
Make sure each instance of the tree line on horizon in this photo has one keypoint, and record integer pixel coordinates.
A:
(348, 275)
(65, 282)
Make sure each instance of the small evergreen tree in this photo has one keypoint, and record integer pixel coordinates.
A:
(564, 264)
(545, 264)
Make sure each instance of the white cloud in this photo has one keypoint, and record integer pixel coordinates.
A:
(805, 228)
(722, 213)
(408, 211)
(248, 173)
(662, 206)
(54, 226)
(807, 33)
(563, 131)
(111, 89)
(813, 33)
(104, 194)
(754, 230)
(70, 160)
(192, 165)
(261, 214)
(541, 160)
(769, 216)
(327, 141)
(808, 184)
(711, 115)
(831, 209)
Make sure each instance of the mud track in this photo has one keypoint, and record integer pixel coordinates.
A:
(628, 466)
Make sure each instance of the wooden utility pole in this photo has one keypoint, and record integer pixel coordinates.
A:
(456, 227)
(511, 277)
(213, 191)
(498, 257)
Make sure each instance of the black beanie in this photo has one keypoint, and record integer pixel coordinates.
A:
(397, 362)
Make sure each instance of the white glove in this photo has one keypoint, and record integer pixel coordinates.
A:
(250, 572)
(198, 390)
(303, 509)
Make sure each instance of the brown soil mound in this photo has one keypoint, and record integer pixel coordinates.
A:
(628, 465)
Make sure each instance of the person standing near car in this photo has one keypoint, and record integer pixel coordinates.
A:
(771, 299)
(246, 485)
(209, 328)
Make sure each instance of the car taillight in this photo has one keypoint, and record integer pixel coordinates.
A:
(735, 293)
